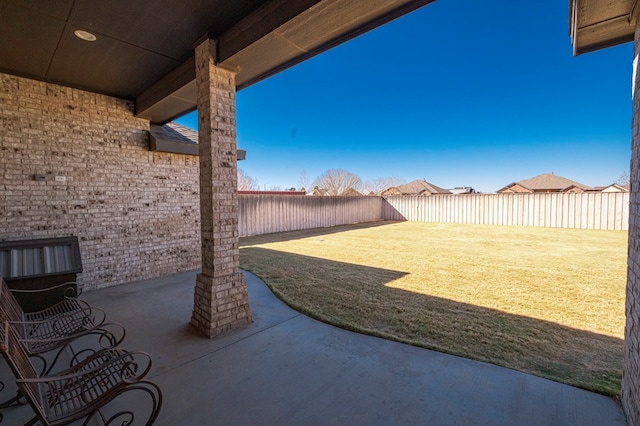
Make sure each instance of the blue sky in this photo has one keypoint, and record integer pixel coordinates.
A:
(460, 93)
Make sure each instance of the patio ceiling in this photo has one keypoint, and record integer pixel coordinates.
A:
(596, 24)
(144, 48)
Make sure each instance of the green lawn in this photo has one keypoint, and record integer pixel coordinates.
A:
(545, 301)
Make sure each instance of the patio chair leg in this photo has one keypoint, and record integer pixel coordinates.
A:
(32, 422)
(127, 416)
(11, 402)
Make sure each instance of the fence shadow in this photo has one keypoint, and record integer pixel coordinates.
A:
(359, 298)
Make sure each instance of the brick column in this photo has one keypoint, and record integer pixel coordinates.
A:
(631, 367)
(220, 302)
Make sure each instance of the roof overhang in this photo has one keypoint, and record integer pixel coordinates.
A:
(596, 24)
(272, 39)
(144, 48)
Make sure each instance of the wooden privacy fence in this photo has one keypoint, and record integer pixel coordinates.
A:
(265, 214)
(591, 210)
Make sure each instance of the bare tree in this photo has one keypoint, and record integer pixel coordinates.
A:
(246, 182)
(624, 179)
(304, 181)
(379, 184)
(337, 181)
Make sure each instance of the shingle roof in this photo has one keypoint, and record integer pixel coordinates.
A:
(325, 192)
(550, 181)
(462, 190)
(418, 187)
(172, 137)
(614, 186)
(351, 192)
(174, 132)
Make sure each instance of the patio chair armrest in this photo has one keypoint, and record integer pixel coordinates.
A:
(66, 308)
(71, 292)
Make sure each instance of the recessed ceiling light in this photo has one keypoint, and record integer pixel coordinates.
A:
(85, 35)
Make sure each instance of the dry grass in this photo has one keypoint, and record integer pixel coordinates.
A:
(545, 301)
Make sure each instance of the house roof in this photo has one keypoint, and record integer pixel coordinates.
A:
(176, 132)
(144, 49)
(319, 191)
(325, 192)
(176, 138)
(548, 181)
(596, 24)
(350, 192)
(462, 190)
(613, 186)
(418, 187)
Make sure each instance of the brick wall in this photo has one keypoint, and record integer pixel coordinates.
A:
(135, 212)
(631, 376)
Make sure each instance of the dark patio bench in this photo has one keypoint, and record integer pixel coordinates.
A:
(84, 389)
(42, 265)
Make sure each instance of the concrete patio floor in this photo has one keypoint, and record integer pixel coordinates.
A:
(288, 369)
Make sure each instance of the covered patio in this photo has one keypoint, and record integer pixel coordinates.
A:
(288, 369)
(83, 83)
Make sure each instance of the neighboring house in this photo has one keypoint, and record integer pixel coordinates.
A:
(350, 192)
(416, 187)
(319, 192)
(547, 182)
(614, 187)
(458, 190)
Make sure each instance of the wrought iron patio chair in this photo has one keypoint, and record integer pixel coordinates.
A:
(82, 391)
(56, 327)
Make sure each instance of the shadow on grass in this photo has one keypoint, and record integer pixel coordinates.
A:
(359, 298)
(314, 232)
